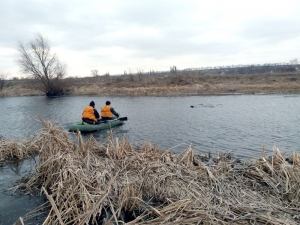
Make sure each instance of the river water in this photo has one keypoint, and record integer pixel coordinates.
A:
(238, 123)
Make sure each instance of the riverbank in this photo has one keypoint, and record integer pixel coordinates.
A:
(168, 85)
(86, 182)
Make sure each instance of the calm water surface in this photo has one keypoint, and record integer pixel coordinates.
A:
(238, 123)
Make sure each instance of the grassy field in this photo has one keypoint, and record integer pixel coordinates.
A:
(172, 84)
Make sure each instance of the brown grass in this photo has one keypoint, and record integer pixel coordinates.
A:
(182, 83)
(21, 88)
(186, 84)
(16, 150)
(104, 183)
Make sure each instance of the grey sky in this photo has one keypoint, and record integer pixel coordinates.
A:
(117, 35)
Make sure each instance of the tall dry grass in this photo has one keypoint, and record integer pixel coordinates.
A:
(186, 83)
(181, 83)
(24, 87)
(17, 150)
(116, 182)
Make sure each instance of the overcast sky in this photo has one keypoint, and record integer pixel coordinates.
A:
(117, 35)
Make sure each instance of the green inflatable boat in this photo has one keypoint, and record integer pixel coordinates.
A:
(85, 127)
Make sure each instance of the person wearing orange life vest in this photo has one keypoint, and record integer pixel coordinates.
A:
(107, 112)
(90, 114)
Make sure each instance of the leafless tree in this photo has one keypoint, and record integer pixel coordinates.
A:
(37, 60)
(294, 61)
(3, 76)
(130, 75)
(106, 74)
(173, 70)
(94, 73)
(139, 72)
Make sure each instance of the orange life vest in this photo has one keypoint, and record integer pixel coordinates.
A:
(88, 113)
(105, 112)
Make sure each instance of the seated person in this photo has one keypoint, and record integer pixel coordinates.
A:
(108, 112)
(90, 114)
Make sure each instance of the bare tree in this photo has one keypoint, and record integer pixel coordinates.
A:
(294, 61)
(94, 73)
(3, 76)
(37, 60)
(139, 72)
(130, 74)
(173, 70)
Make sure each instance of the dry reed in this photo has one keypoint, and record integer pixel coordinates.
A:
(116, 182)
(182, 83)
(16, 150)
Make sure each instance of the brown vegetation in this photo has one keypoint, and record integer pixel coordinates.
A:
(179, 83)
(185, 83)
(16, 150)
(118, 182)
(37, 60)
(23, 87)
(3, 77)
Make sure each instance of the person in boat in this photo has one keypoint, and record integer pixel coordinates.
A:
(90, 114)
(108, 112)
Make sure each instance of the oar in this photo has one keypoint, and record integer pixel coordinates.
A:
(122, 118)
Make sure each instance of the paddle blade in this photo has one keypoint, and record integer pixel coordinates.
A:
(122, 118)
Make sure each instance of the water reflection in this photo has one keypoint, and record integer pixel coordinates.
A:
(13, 204)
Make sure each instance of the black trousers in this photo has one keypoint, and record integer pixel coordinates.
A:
(106, 118)
(89, 121)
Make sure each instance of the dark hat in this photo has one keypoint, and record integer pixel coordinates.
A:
(107, 103)
(92, 103)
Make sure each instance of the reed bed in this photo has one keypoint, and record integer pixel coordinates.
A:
(118, 183)
(16, 150)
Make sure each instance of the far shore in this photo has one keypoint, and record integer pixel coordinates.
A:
(170, 85)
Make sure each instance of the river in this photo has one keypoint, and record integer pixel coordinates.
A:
(241, 124)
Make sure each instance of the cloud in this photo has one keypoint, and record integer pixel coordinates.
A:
(113, 35)
(271, 31)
